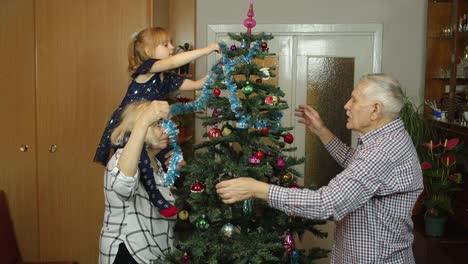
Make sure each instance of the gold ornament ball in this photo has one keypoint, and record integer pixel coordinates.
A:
(287, 178)
(183, 215)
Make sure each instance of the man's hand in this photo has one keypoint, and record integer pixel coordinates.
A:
(241, 189)
(314, 123)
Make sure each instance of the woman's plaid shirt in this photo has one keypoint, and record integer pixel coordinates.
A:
(371, 199)
(130, 218)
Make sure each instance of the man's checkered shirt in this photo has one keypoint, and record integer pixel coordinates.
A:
(371, 199)
(130, 218)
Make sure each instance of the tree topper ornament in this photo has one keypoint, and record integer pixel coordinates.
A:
(250, 22)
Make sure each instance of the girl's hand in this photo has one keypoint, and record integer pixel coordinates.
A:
(213, 47)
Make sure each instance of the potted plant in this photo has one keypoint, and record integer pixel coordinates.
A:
(184, 69)
(442, 178)
(421, 130)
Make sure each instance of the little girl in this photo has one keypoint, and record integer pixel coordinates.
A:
(149, 59)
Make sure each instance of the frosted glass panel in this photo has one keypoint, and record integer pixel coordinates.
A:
(330, 82)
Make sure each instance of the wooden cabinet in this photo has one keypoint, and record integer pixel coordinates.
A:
(447, 59)
(63, 72)
(450, 248)
(447, 76)
(447, 86)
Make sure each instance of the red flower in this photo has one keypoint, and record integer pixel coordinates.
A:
(430, 145)
(448, 160)
(426, 165)
(452, 143)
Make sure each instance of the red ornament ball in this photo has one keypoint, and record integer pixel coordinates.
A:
(264, 45)
(265, 130)
(258, 80)
(214, 132)
(288, 138)
(185, 258)
(271, 100)
(259, 155)
(197, 187)
(294, 186)
(216, 91)
(215, 113)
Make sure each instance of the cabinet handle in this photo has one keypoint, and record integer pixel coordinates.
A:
(52, 148)
(23, 147)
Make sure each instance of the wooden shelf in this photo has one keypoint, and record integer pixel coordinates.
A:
(454, 128)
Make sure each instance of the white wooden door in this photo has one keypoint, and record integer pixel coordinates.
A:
(312, 52)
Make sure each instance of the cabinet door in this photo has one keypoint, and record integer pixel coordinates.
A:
(17, 114)
(81, 79)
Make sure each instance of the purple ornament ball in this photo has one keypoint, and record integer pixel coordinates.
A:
(233, 47)
(253, 160)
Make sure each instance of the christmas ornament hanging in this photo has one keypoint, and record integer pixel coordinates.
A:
(244, 44)
(228, 229)
(216, 91)
(197, 187)
(226, 130)
(288, 138)
(183, 215)
(265, 72)
(280, 162)
(233, 47)
(265, 130)
(214, 133)
(185, 258)
(247, 208)
(286, 179)
(294, 186)
(254, 160)
(202, 223)
(247, 89)
(258, 80)
(215, 114)
(259, 155)
(288, 243)
(271, 100)
(264, 45)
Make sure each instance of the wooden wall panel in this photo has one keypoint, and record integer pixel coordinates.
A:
(81, 79)
(17, 104)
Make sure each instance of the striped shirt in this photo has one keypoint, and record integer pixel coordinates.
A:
(371, 199)
(130, 218)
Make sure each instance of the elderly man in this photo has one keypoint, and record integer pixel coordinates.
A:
(373, 197)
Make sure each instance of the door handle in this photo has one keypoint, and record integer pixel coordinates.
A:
(23, 147)
(52, 148)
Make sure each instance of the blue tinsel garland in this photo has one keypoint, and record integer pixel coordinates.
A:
(176, 109)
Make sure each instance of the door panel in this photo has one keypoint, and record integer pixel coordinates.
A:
(81, 79)
(17, 114)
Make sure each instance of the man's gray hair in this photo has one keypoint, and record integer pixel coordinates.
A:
(385, 89)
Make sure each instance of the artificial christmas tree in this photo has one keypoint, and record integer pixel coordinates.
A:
(245, 138)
